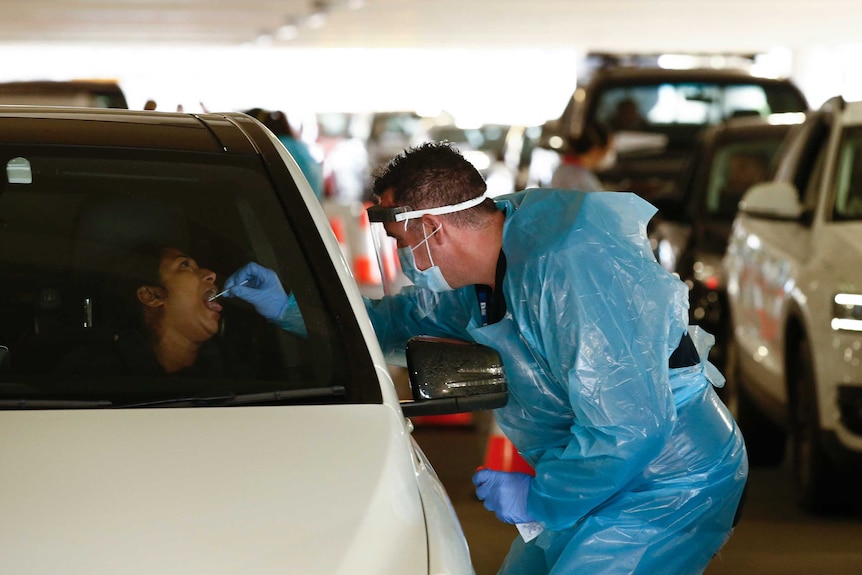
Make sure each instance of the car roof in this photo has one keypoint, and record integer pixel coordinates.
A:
(625, 74)
(37, 91)
(116, 128)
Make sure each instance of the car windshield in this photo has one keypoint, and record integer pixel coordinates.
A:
(848, 176)
(678, 110)
(75, 228)
(735, 167)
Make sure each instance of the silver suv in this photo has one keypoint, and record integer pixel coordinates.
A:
(795, 295)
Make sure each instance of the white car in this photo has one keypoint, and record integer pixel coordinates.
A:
(274, 451)
(795, 294)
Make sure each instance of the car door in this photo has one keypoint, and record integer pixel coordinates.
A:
(770, 254)
(282, 448)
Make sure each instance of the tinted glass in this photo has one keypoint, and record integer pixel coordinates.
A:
(83, 231)
(736, 167)
(848, 177)
(670, 108)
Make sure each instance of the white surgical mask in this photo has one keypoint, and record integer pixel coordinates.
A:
(432, 278)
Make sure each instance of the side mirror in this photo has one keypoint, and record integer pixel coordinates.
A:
(451, 376)
(776, 200)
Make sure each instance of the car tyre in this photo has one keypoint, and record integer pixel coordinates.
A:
(817, 483)
(765, 441)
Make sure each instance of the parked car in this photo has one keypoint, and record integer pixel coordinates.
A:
(690, 240)
(388, 134)
(655, 115)
(286, 451)
(84, 93)
(494, 149)
(794, 287)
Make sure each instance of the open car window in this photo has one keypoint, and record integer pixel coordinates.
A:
(71, 220)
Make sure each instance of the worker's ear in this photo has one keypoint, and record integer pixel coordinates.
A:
(151, 296)
(431, 223)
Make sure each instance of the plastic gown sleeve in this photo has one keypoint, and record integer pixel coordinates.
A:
(414, 311)
(604, 316)
(291, 319)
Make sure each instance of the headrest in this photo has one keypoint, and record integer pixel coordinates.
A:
(110, 227)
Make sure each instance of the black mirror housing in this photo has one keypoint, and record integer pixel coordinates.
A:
(452, 376)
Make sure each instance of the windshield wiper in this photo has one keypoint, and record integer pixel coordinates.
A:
(24, 403)
(284, 395)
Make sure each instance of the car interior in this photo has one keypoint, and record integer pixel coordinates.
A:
(67, 222)
(735, 168)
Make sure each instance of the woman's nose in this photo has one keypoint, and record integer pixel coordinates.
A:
(208, 275)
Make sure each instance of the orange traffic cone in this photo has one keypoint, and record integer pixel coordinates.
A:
(454, 419)
(501, 455)
(337, 225)
(365, 269)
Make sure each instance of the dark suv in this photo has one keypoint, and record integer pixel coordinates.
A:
(78, 93)
(656, 114)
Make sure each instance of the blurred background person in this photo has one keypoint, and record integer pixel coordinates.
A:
(278, 124)
(581, 157)
(627, 117)
(743, 171)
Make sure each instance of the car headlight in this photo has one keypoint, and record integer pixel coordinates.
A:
(847, 312)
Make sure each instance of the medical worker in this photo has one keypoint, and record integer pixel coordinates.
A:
(639, 467)
(279, 125)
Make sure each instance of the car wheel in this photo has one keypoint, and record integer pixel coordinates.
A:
(765, 441)
(817, 483)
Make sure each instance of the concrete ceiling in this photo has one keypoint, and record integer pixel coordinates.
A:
(512, 60)
(674, 25)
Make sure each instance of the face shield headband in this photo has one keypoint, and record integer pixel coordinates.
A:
(378, 214)
(384, 246)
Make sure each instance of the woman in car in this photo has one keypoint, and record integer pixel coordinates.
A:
(166, 323)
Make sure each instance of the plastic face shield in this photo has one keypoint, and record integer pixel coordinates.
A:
(384, 246)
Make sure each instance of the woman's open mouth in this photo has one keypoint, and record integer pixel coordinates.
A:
(212, 304)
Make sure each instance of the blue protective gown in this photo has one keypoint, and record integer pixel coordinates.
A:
(311, 168)
(639, 468)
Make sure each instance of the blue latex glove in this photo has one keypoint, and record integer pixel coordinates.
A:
(504, 493)
(262, 289)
